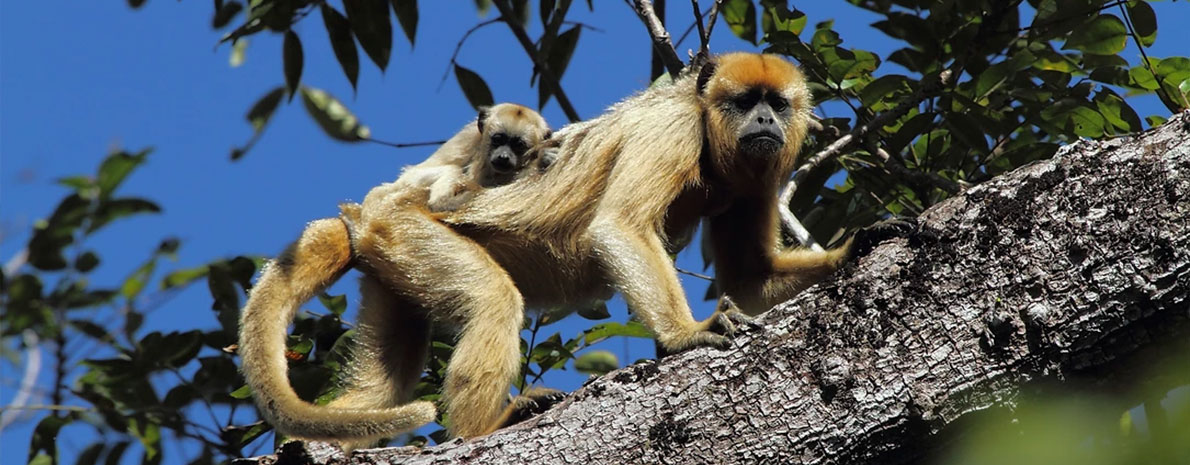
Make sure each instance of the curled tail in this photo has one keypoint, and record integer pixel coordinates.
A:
(307, 267)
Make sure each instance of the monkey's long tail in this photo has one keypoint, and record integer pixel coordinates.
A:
(319, 258)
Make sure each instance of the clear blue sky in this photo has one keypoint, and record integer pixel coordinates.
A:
(78, 80)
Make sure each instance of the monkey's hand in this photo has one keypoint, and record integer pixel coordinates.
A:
(531, 402)
(715, 331)
(449, 195)
(868, 238)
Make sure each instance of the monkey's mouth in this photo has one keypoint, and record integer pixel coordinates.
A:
(762, 143)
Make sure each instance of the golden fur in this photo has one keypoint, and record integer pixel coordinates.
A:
(632, 185)
(323, 253)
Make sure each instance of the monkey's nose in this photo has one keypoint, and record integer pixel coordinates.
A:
(503, 163)
(763, 120)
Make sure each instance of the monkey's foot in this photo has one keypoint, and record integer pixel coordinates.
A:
(716, 331)
(530, 403)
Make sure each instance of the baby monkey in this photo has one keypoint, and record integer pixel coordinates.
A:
(490, 151)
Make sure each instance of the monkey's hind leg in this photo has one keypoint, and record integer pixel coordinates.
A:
(462, 284)
(388, 356)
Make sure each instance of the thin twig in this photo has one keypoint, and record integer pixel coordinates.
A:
(702, 33)
(837, 147)
(57, 408)
(547, 74)
(694, 274)
(690, 28)
(711, 17)
(661, 42)
(406, 144)
(459, 46)
(1144, 56)
(933, 179)
(584, 26)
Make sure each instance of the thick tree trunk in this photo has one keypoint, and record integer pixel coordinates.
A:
(1068, 270)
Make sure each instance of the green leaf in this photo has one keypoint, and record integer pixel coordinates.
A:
(292, 58)
(45, 437)
(474, 88)
(241, 436)
(179, 396)
(1105, 35)
(1175, 72)
(80, 184)
(86, 262)
(778, 18)
(482, 7)
(149, 435)
(824, 38)
(225, 13)
(183, 277)
(334, 118)
(406, 11)
(90, 455)
(596, 362)
(238, 54)
(117, 452)
(111, 210)
(1144, 22)
(370, 22)
(595, 311)
(885, 91)
(740, 16)
(93, 330)
(302, 346)
(603, 331)
(1117, 112)
(560, 54)
(115, 168)
(338, 29)
(1141, 77)
(967, 130)
(263, 109)
(244, 392)
(337, 304)
(51, 236)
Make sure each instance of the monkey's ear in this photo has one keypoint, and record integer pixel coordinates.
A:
(548, 134)
(705, 73)
(483, 115)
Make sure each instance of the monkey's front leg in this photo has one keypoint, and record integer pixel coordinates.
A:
(641, 269)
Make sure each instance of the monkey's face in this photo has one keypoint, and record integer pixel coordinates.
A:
(509, 132)
(506, 152)
(761, 116)
(756, 109)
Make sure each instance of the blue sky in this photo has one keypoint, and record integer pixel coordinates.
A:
(79, 80)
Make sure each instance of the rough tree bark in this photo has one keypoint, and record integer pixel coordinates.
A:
(1066, 270)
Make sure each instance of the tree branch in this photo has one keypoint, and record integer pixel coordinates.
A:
(1069, 270)
(543, 68)
(661, 43)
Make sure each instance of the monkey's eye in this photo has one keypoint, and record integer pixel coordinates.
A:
(499, 138)
(779, 104)
(517, 144)
(746, 101)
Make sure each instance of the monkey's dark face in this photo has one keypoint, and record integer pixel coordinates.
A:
(761, 115)
(506, 152)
